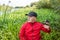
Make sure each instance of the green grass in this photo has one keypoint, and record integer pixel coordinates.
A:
(9, 29)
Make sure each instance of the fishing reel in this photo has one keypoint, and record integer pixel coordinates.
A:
(46, 22)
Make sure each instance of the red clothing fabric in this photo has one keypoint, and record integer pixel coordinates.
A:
(31, 31)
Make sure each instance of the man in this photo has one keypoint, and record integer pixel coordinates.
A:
(30, 30)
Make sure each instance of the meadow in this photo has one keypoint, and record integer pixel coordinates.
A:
(10, 24)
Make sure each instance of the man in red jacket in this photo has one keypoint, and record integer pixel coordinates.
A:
(30, 30)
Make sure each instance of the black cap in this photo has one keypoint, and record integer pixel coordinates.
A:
(32, 14)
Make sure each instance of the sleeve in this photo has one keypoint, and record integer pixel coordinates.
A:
(44, 29)
(22, 33)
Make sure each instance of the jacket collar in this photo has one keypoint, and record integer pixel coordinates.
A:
(31, 22)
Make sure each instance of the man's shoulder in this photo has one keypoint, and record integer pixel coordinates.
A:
(40, 23)
(24, 24)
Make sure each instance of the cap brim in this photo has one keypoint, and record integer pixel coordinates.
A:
(26, 14)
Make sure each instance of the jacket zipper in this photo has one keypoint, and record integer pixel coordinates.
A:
(32, 31)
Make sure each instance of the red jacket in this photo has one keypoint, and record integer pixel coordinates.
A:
(31, 31)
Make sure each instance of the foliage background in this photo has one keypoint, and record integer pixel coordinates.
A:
(10, 23)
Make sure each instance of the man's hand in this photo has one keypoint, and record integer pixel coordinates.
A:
(47, 27)
(46, 24)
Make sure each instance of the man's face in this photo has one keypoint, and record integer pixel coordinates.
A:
(31, 19)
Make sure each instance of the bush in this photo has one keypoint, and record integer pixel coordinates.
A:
(43, 4)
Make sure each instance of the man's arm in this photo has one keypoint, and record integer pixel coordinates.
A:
(22, 33)
(45, 28)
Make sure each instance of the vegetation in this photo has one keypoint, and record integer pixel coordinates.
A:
(9, 28)
(10, 23)
(50, 4)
